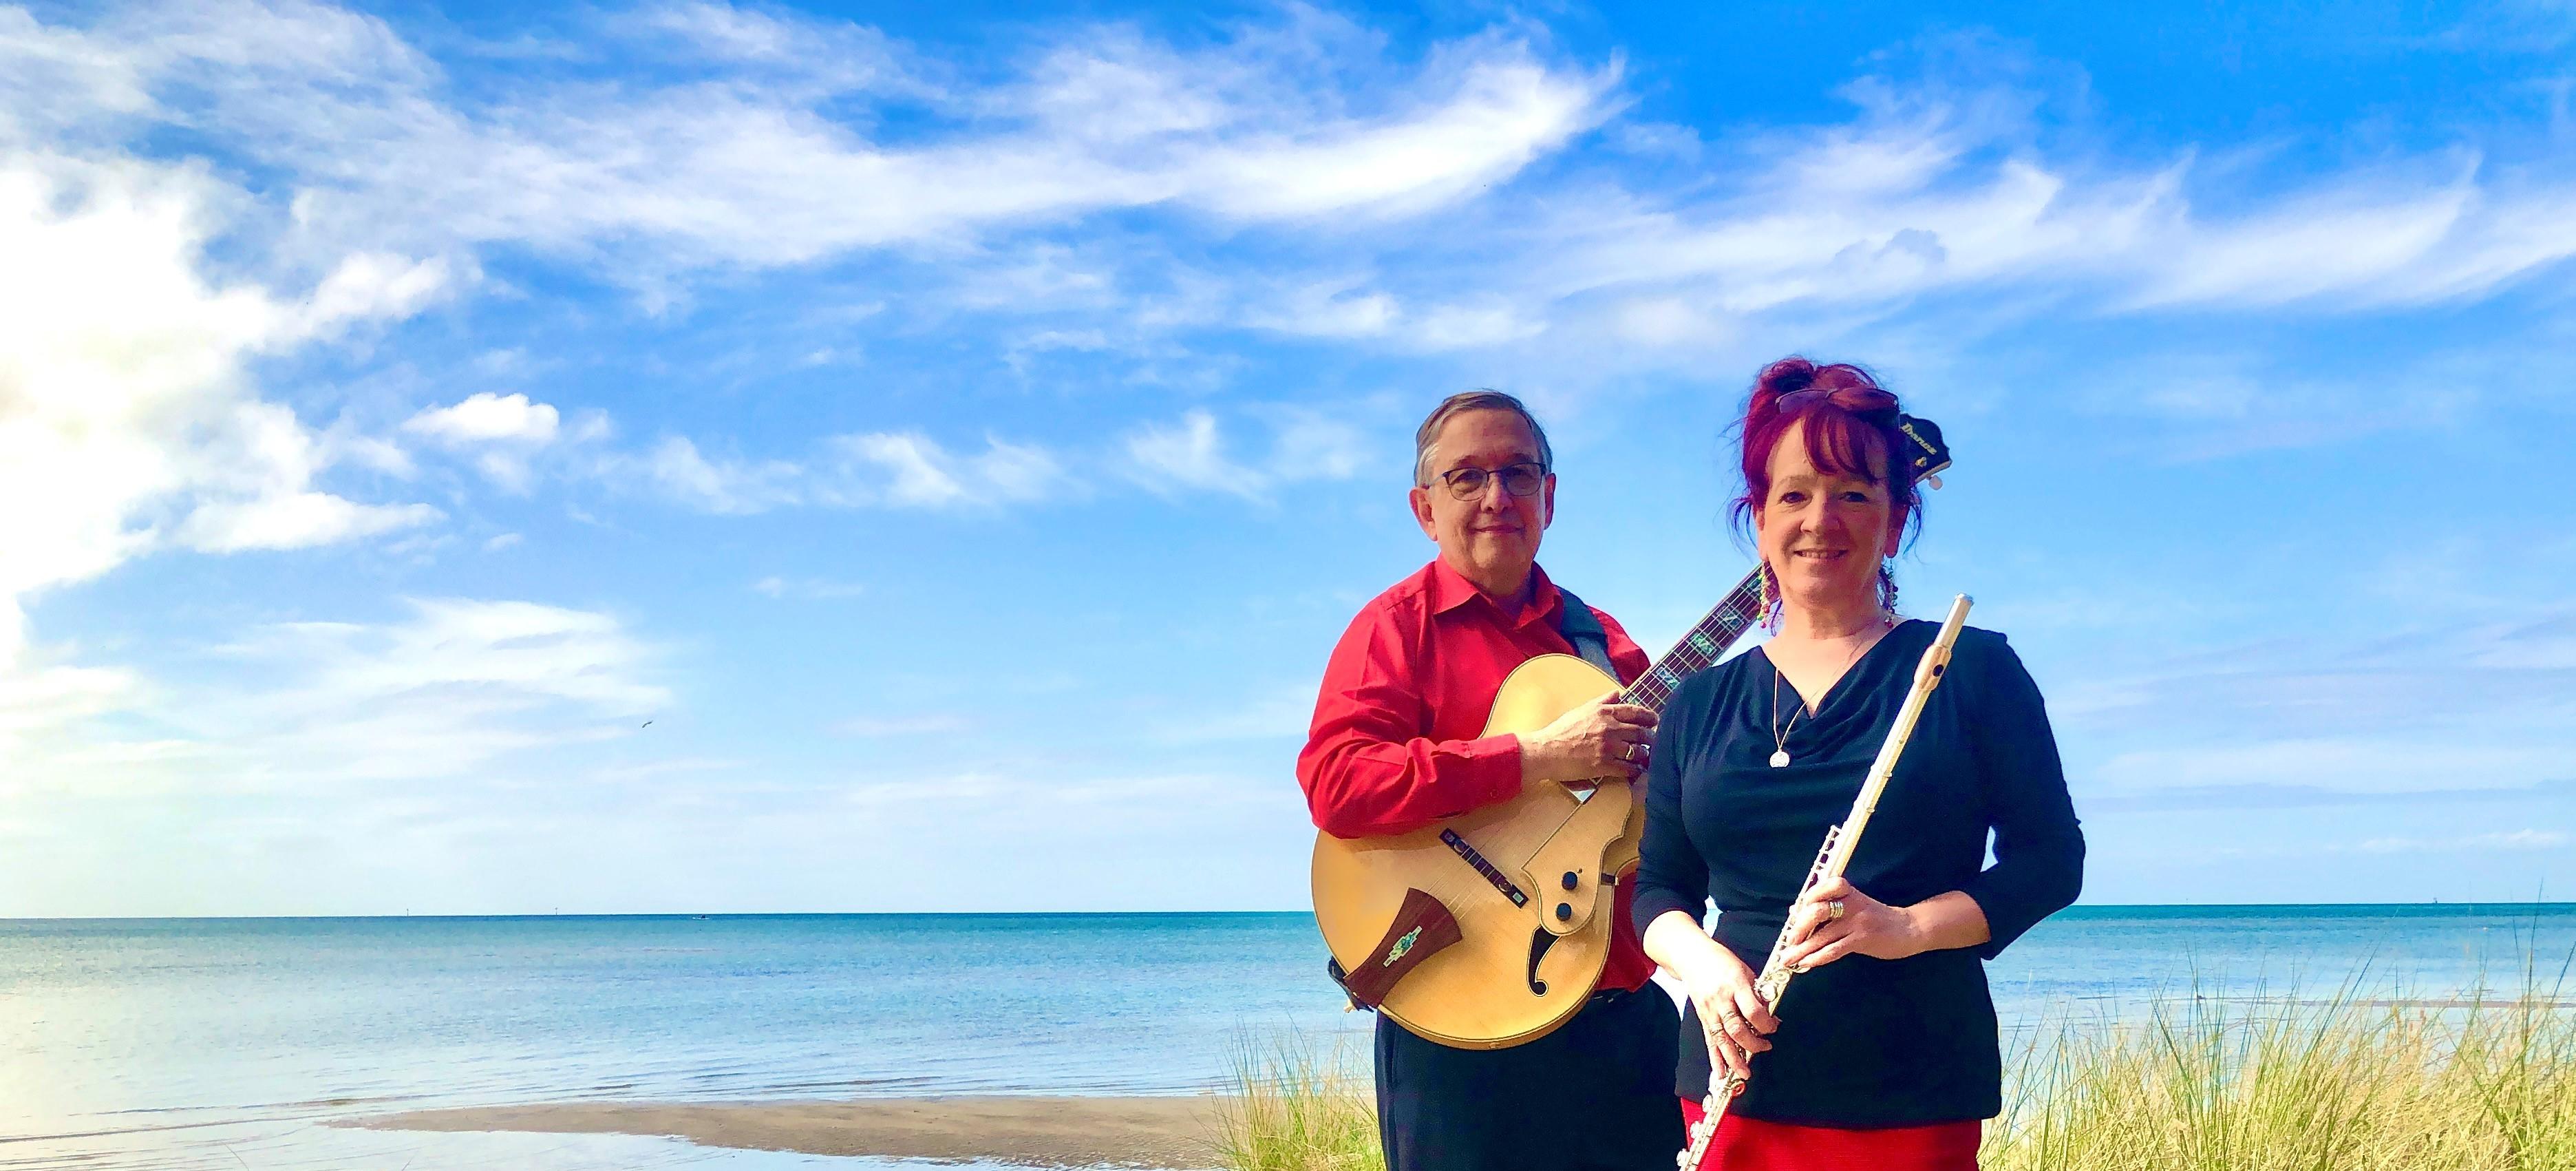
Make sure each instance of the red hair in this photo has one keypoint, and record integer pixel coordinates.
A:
(1848, 421)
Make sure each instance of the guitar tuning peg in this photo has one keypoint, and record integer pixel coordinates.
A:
(1935, 481)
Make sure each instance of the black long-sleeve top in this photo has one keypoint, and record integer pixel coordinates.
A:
(1863, 1043)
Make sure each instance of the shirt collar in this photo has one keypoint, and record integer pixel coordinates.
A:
(1450, 589)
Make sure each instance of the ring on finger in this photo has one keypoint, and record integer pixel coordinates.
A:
(1629, 754)
(1833, 910)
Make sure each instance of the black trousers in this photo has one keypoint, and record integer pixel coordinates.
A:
(1595, 1095)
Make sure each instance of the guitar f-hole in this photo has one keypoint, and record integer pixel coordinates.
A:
(1540, 941)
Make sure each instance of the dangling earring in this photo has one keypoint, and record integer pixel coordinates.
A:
(1770, 601)
(1887, 592)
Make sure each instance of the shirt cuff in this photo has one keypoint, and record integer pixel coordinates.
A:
(1494, 768)
(2003, 921)
(1651, 904)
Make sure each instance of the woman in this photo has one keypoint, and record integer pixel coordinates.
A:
(1884, 1054)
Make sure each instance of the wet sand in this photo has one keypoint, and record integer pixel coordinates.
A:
(1036, 1132)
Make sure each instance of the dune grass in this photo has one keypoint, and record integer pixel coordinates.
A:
(2299, 1085)
(1291, 1109)
(2194, 1083)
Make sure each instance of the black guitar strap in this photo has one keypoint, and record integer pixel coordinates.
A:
(1581, 628)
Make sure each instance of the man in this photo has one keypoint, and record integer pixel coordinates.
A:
(1395, 746)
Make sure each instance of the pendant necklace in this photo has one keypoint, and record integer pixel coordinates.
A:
(1780, 735)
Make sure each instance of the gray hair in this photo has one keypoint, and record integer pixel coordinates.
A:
(1428, 435)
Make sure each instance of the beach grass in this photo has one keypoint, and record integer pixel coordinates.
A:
(2343, 1082)
(1291, 1108)
(2189, 1083)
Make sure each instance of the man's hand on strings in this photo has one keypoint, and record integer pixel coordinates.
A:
(1600, 739)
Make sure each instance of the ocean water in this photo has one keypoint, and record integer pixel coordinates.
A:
(235, 1043)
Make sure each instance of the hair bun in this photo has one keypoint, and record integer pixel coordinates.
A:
(1851, 387)
(1787, 376)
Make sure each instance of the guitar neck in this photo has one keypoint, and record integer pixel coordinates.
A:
(1702, 647)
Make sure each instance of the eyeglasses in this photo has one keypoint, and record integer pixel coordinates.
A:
(1520, 479)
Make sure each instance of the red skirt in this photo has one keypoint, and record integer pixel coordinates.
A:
(1750, 1144)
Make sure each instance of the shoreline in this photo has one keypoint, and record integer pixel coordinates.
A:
(2436, 908)
(1173, 1132)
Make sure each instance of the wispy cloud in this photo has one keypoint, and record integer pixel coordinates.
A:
(918, 472)
(807, 588)
(908, 725)
(2257, 796)
(2521, 839)
(1192, 453)
(680, 471)
(752, 169)
(2479, 710)
(453, 686)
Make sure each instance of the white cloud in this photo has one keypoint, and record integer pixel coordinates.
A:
(1334, 309)
(124, 399)
(488, 418)
(2458, 706)
(824, 58)
(720, 486)
(507, 428)
(1927, 194)
(866, 470)
(807, 588)
(1311, 446)
(2521, 839)
(1491, 120)
(299, 521)
(923, 474)
(39, 700)
(374, 285)
(753, 168)
(451, 687)
(1193, 454)
(913, 725)
(535, 652)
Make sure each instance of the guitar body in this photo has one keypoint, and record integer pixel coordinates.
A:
(1516, 970)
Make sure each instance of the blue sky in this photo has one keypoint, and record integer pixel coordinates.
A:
(962, 431)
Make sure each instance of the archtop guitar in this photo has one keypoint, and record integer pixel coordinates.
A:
(1490, 929)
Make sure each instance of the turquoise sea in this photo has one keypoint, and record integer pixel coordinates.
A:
(233, 1043)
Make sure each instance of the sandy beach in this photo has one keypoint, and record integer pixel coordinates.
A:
(1174, 1132)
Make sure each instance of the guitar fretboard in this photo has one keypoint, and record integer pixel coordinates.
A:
(1701, 648)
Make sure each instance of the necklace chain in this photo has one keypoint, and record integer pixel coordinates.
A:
(1780, 735)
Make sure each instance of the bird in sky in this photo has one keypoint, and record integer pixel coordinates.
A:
(645, 724)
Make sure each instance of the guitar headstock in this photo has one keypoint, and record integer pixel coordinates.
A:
(1927, 456)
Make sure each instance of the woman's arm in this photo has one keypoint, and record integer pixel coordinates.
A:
(2039, 852)
(1671, 875)
(1672, 887)
(2039, 848)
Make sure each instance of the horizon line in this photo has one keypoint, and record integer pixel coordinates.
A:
(2077, 910)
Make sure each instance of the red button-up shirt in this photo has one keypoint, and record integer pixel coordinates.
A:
(1396, 744)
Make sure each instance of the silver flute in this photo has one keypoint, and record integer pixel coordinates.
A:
(1831, 859)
